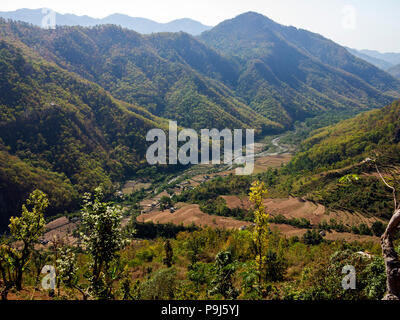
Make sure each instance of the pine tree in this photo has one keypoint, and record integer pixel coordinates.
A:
(169, 253)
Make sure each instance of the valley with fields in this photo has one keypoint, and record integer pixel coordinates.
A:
(80, 199)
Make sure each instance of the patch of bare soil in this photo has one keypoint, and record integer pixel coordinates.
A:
(241, 202)
(60, 229)
(290, 231)
(29, 294)
(189, 214)
(272, 161)
(133, 186)
(298, 208)
(315, 213)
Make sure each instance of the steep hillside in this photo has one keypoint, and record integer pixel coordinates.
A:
(19, 178)
(352, 140)
(135, 69)
(62, 133)
(287, 73)
(338, 151)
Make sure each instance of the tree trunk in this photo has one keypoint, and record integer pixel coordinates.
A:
(391, 258)
(18, 279)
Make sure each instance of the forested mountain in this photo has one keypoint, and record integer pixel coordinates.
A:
(267, 77)
(76, 102)
(141, 25)
(352, 140)
(395, 71)
(152, 71)
(333, 152)
(61, 133)
(287, 73)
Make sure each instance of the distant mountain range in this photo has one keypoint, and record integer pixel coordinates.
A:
(141, 25)
(389, 62)
(382, 64)
(391, 57)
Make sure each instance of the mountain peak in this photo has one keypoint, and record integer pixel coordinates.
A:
(252, 16)
(246, 23)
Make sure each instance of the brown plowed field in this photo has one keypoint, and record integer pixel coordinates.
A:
(296, 208)
(189, 214)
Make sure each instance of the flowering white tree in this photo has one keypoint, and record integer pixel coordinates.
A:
(102, 237)
(67, 271)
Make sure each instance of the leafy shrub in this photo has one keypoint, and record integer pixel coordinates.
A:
(161, 286)
(312, 237)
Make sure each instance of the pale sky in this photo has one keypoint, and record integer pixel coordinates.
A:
(360, 24)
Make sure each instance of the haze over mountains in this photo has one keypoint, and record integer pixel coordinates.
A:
(389, 62)
(141, 25)
(77, 101)
(395, 71)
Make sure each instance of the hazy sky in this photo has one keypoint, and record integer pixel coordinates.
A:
(361, 24)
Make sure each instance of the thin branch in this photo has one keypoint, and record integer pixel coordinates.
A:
(389, 186)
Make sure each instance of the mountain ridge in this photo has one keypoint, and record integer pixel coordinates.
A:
(77, 101)
(382, 64)
(141, 25)
(271, 55)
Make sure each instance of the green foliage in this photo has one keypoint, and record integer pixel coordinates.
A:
(102, 238)
(331, 169)
(378, 228)
(166, 74)
(68, 273)
(201, 275)
(152, 231)
(375, 279)
(169, 254)
(26, 229)
(250, 289)
(61, 133)
(30, 225)
(324, 282)
(275, 266)
(312, 237)
(161, 286)
(332, 224)
(283, 72)
(295, 222)
(222, 284)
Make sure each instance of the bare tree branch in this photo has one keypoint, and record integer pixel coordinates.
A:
(389, 186)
